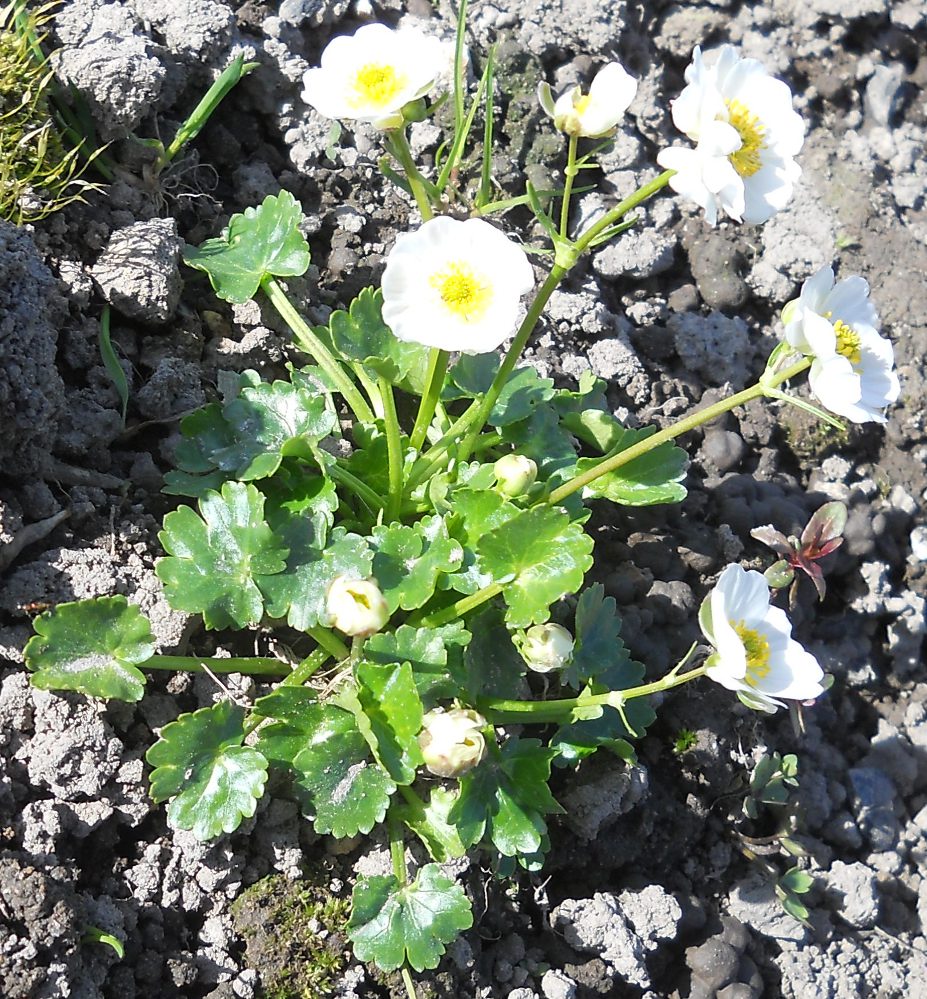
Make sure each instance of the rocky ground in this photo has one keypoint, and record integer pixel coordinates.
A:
(647, 892)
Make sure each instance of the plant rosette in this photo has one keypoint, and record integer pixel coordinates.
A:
(754, 652)
(852, 369)
(747, 136)
(374, 73)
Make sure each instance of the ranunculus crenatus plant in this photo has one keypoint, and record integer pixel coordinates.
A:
(410, 500)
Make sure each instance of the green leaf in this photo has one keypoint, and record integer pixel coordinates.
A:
(431, 824)
(361, 335)
(506, 798)
(408, 560)
(299, 505)
(542, 438)
(336, 779)
(217, 559)
(493, 667)
(433, 653)
(201, 764)
(394, 711)
(299, 593)
(476, 511)
(91, 646)
(524, 391)
(542, 556)
(260, 242)
(114, 368)
(796, 880)
(654, 477)
(392, 924)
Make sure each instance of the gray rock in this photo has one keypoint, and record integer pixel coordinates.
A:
(640, 253)
(195, 29)
(883, 91)
(716, 263)
(858, 897)
(175, 387)
(593, 806)
(714, 347)
(139, 270)
(723, 449)
(875, 796)
(714, 963)
(556, 985)
(31, 390)
(754, 902)
(312, 13)
(616, 361)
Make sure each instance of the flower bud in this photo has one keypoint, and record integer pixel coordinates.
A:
(452, 742)
(515, 474)
(546, 647)
(356, 606)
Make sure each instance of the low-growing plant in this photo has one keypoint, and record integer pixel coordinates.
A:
(420, 561)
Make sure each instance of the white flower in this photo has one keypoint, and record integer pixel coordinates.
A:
(852, 373)
(594, 114)
(546, 647)
(746, 136)
(372, 74)
(452, 742)
(356, 606)
(455, 285)
(515, 474)
(755, 653)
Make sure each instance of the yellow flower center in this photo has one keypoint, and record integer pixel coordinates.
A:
(376, 85)
(746, 160)
(847, 342)
(582, 103)
(462, 291)
(756, 647)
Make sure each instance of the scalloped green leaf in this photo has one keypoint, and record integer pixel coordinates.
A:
(408, 559)
(541, 556)
(542, 438)
(394, 712)
(361, 335)
(200, 763)
(299, 593)
(435, 655)
(91, 646)
(259, 242)
(505, 799)
(655, 477)
(393, 925)
(525, 390)
(493, 667)
(216, 559)
(431, 824)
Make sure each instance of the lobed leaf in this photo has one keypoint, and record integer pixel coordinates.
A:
(524, 391)
(216, 559)
(259, 242)
(394, 712)
(433, 653)
(407, 560)
(493, 667)
(91, 646)
(200, 763)
(431, 824)
(393, 924)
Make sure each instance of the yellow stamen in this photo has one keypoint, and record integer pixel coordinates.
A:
(746, 160)
(582, 103)
(376, 84)
(756, 647)
(847, 342)
(462, 291)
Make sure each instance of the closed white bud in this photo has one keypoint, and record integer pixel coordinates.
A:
(515, 474)
(546, 647)
(356, 607)
(452, 742)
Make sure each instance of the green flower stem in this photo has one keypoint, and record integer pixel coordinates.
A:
(307, 668)
(393, 449)
(437, 369)
(313, 346)
(397, 852)
(251, 665)
(569, 176)
(499, 711)
(644, 192)
(399, 146)
(329, 641)
(674, 430)
(457, 609)
(357, 486)
(486, 404)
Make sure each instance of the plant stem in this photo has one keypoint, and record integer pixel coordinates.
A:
(394, 450)
(486, 404)
(406, 976)
(399, 145)
(313, 346)
(251, 665)
(674, 430)
(622, 208)
(357, 486)
(329, 641)
(569, 176)
(499, 711)
(437, 369)
(307, 668)
(459, 608)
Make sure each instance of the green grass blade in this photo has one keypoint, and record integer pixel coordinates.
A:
(111, 362)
